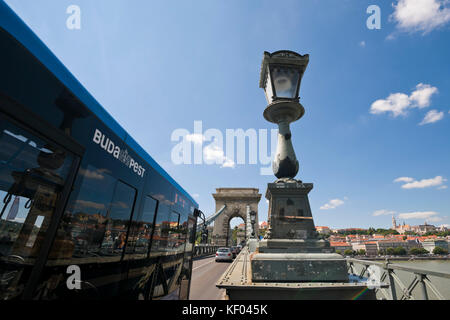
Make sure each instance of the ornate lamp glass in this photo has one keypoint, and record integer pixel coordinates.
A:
(281, 74)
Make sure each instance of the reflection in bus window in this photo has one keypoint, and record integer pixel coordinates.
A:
(32, 176)
(82, 227)
(118, 218)
(161, 233)
(144, 228)
(174, 232)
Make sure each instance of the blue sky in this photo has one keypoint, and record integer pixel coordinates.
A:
(377, 101)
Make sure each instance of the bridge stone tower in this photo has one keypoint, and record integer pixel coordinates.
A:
(239, 203)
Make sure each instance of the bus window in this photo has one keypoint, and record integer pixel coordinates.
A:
(144, 228)
(33, 173)
(161, 233)
(117, 220)
(82, 227)
(174, 231)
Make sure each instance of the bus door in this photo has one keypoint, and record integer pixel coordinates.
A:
(36, 175)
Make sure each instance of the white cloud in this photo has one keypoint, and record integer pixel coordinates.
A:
(434, 219)
(424, 183)
(404, 179)
(332, 204)
(362, 44)
(432, 116)
(396, 103)
(212, 153)
(399, 103)
(429, 215)
(195, 138)
(196, 195)
(422, 95)
(383, 212)
(421, 15)
(228, 163)
(442, 187)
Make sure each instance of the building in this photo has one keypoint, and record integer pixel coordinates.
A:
(341, 246)
(430, 244)
(403, 228)
(383, 245)
(420, 229)
(323, 230)
(263, 225)
(370, 247)
(423, 228)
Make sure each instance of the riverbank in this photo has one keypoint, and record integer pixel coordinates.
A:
(404, 258)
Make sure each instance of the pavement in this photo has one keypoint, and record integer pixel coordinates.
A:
(205, 273)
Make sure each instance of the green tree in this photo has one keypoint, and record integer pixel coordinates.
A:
(361, 252)
(348, 252)
(390, 251)
(416, 251)
(439, 250)
(338, 251)
(400, 251)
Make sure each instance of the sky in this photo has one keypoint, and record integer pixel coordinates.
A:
(375, 136)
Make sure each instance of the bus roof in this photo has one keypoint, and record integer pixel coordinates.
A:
(10, 22)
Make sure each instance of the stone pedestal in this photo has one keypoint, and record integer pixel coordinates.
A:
(291, 251)
(299, 267)
(290, 215)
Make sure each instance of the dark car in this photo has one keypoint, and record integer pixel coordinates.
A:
(234, 251)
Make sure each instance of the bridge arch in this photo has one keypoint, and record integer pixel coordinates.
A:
(239, 202)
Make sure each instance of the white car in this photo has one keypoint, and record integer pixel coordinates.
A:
(224, 254)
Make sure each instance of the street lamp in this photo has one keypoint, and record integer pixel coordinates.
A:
(253, 221)
(281, 75)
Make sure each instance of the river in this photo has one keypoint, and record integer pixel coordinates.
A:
(441, 284)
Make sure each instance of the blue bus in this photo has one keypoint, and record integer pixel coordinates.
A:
(85, 212)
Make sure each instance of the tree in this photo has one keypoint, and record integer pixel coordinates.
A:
(348, 252)
(416, 251)
(439, 250)
(338, 251)
(400, 251)
(390, 251)
(361, 252)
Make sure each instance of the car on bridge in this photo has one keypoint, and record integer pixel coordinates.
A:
(234, 251)
(224, 254)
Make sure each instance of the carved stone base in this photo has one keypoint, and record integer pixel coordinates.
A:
(294, 246)
(290, 214)
(299, 267)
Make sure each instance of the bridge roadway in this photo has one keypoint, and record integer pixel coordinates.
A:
(205, 273)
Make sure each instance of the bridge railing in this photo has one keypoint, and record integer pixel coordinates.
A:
(405, 282)
(204, 250)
